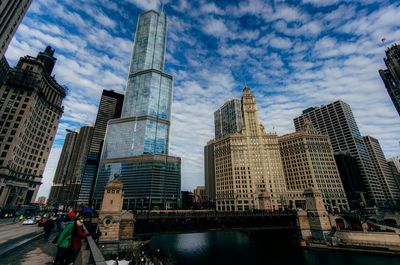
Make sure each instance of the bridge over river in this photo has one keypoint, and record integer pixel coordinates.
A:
(200, 221)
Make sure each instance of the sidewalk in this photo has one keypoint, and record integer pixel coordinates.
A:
(37, 252)
(10, 231)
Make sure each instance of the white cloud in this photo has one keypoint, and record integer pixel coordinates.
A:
(291, 58)
(280, 43)
(147, 4)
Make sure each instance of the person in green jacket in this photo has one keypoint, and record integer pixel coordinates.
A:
(63, 243)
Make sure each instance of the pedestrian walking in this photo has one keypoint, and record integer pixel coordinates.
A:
(63, 244)
(48, 227)
(76, 242)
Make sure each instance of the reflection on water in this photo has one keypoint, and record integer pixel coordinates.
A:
(192, 242)
(272, 248)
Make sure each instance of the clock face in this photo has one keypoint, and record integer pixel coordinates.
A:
(250, 108)
(107, 221)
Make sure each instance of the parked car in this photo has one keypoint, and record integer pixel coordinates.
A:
(29, 221)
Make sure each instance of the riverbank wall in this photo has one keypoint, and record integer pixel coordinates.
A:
(371, 240)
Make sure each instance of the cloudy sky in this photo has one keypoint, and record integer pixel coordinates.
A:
(293, 55)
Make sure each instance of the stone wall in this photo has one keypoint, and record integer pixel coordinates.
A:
(369, 239)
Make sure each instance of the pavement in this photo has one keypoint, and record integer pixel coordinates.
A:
(36, 252)
(24, 244)
(10, 230)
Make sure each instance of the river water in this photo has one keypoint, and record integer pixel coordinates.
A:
(270, 248)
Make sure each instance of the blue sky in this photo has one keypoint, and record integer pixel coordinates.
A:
(292, 54)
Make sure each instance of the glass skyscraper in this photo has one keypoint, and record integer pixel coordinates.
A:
(229, 118)
(136, 145)
(110, 107)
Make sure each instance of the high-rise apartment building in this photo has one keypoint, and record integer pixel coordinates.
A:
(11, 14)
(228, 119)
(394, 165)
(352, 180)
(71, 168)
(383, 171)
(391, 75)
(337, 121)
(77, 165)
(308, 162)
(4, 68)
(248, 166)
(136, 145)
(30, 110)
(109, 108)
(209, 170)
(57, 193)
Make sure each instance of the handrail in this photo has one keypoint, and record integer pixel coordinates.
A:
(96, 257)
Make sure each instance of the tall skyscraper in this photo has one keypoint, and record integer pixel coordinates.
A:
(394, 165)
(11, 14)
(337, 121)
(228, 119)
(71, 167)
(4, 68)
(136, 145)
(383, 172)
(352, 179)
(248, 165)
(109, 108)
(308, 161)
(391, 75)
(30, 110)
(209, 170)
(57, 194)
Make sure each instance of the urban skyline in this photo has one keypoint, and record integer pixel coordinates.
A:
(190, 90)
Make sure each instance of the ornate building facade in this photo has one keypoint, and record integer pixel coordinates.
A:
(308, 162)
(30, 111)
(248, 166)
(391, 75)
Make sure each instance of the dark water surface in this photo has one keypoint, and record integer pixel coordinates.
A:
(271, 248)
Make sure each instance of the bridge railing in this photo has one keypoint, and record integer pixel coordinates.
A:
(204, 214)
(90, 254)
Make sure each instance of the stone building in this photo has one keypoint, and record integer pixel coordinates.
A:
(116, 226)
(199, 194)
(383, 172)
(337, 121)
(308, 161)
(248, 166)
(11, 14)
(30, 110)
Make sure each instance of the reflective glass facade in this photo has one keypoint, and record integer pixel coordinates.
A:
(144, 124)
(110, 107)
(159, 189)
(229, 118)
(136, 145)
